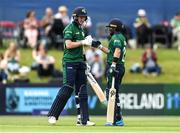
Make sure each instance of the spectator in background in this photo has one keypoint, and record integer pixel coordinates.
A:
(90, 54)
(3, 69)
(175, 23)
(142, 27)
(97, 68)
(23, 75)
(35, 53)
(61, 19)
(47, 20)
(12, 56)
(63, 15)
(47, 23)
(31, 28)
(45, 62)
(149, 61)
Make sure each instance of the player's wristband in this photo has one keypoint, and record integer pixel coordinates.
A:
(115, 59)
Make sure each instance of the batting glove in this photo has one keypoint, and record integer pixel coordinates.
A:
(97, 44)
(113, 71)
(87, 41)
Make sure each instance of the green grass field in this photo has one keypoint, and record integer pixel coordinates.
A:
(134, 124)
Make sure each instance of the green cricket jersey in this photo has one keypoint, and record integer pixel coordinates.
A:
(74, 33)
(117, 41)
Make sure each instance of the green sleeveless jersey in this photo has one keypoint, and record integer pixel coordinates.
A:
(74, 33)
(117, 41)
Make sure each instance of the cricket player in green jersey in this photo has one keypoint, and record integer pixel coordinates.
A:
(74, 67)
(116, 52)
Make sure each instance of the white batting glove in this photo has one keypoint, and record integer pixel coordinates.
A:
(87, 41)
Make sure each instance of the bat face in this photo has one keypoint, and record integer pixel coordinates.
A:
(95, 86)
(112, 94)
(91, 78)
(111, 104)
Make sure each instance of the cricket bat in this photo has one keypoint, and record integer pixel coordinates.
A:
(97, 89)
(111, 103)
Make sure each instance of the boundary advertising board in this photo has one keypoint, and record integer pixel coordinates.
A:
(135, 99)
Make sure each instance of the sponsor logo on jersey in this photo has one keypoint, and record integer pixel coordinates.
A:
(69, 68)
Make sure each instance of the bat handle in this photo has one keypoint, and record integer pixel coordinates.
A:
(113, 80)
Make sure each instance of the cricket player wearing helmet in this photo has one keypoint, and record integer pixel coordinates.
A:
(74, 68)
(116, 52)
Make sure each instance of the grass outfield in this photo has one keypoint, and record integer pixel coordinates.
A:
(133, 124)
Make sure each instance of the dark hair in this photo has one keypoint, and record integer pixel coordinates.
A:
(29, 13)
(177, 13)
(1, 56)
(37, 46)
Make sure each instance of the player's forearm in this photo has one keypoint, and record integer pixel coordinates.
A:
(70, 44)
(104, 49)
(116, 55)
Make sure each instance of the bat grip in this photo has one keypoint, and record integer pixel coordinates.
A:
(84, 57)
(113, 80)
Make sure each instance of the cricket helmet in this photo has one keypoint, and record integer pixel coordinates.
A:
(116, 25)
(79, 11)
